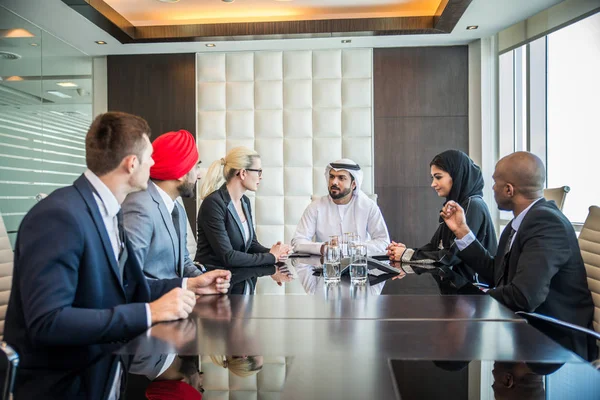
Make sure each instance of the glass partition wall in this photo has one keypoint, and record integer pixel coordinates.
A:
(45, 110)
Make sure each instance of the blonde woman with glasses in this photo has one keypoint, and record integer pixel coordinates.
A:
(226, 236)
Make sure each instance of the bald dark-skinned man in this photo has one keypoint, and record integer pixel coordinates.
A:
(538, 265)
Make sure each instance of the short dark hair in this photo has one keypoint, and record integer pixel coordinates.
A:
(112, 137)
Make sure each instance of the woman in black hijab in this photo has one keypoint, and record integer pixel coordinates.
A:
(456, 177)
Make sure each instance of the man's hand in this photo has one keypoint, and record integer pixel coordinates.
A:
(454, 217)
(212, 282)
(282, 275)
(177, 304)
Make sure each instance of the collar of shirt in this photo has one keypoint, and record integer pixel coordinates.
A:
(167, 200)
(516, 223)
(111, 205)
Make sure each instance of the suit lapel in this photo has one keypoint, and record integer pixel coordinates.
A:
(166, 217)
(250, 225)
(84, 187)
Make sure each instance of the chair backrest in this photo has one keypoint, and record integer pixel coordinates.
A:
(558, 194)
(589, 242)
(6, 271)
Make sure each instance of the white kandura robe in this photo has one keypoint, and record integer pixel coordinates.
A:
(321, 219)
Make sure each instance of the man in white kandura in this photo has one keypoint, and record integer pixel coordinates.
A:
(345, 209)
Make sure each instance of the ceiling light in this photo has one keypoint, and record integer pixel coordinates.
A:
(347, 41)
(33, 44)
(100, 42)
(67, 84)
(169, 1)
(472, 27)
(15, 33)
(210, 45)
(14, 79)
(58, 94)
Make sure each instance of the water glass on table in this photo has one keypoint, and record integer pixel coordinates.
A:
(358, 266)
(331, 263)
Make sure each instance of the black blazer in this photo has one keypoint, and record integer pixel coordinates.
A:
(67, 303)
(545, 272)
(220, 235)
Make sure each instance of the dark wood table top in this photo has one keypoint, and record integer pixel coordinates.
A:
(417, 336)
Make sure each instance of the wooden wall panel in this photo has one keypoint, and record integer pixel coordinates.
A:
(161, 89)
(421, 109)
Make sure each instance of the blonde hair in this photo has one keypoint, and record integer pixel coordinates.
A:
(224, 169)
(239, 366)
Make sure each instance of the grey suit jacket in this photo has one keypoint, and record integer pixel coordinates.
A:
(155, 243)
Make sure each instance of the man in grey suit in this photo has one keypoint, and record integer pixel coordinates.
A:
(156, 224)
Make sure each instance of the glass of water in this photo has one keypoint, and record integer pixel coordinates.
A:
(331, 265)
(358, 266)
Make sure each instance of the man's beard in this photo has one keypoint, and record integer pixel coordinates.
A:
(340, 194)
(187, 189)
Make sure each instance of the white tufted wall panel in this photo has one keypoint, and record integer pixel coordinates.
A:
(300, 110)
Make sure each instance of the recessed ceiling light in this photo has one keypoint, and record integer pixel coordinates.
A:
(100, 42)
(169, 1)
(210, 45)
(66, 84)
(15, 33)
(347, 41)
(33, 44)
(58, 94)
(472, 27)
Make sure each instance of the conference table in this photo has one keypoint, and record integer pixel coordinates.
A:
(424, 333)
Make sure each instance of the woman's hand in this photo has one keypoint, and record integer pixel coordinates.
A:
(396, 252)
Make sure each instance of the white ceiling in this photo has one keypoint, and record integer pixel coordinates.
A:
(60, 20)
(153, 12)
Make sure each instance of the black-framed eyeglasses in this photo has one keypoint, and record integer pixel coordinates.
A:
(255, 170)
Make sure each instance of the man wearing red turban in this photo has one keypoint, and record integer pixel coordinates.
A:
(156, 224)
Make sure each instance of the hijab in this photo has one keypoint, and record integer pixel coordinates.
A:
(467, 179)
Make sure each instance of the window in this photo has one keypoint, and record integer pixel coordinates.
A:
(548, 105)
(573, 138)
(45, 111)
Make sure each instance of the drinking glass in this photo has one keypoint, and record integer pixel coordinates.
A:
(358, 266)
(331, 264)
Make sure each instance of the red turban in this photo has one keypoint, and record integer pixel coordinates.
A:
(175, 154)
(172, 390)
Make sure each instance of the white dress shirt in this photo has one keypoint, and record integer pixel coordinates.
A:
(167, 200)
(323, 218)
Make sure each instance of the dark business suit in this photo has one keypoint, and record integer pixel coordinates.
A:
(543, 272)
(221, 239)
(68, 303)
